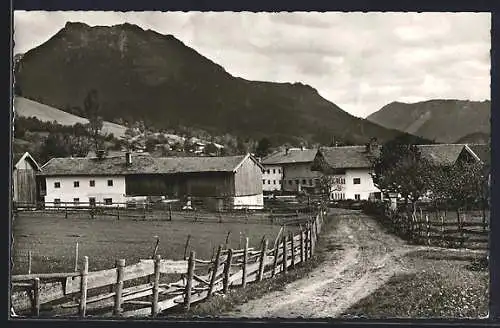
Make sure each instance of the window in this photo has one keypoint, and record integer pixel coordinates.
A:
(357, 196)
(274, 181)
(92, 183)
(108, 201)
(110, 183)
(297, 181)
(290, 181)
(92, 201)
(310, 182)
(268, 181)
(263, 181)
(303, 181)
(274, 171)
(57, 202)
(268, 171)
(76, 201)
(356, 181)
(76, 184)
(279, 181)
(279, 171)
(57, 185)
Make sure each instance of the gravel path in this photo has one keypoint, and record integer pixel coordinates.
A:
(360, 257)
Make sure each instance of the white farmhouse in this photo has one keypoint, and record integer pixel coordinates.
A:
(350, 167)
(291, 169)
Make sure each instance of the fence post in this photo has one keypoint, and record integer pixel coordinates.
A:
(120, 264)
(189, 282)
(262, 260)
(36, 296)
(156, 286)
(245, 260)
(227, 270)
(65, 210)
(313, 237)
(29, 262)
(83, 288)
(275, 260)
(442, 229)
(214, 272)
(306, 242)
(301, 244)
(293, 249)
(76, 257)
(459, 227)
(462, 234)
(118, 212)
(285, 253)
(428, 229)
(170, 212)
(309, 238)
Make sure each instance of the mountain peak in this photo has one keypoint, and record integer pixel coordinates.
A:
(143, 74)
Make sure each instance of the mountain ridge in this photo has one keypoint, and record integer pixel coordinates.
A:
(443, 120)
(144, 75)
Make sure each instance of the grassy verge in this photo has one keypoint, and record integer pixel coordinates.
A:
(443, 287)
(221, 304)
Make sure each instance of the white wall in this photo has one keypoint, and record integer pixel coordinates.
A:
(251, 202)
(67, 192)
(364, 188)
(272, 180)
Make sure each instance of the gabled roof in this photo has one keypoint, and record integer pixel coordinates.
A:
(18, 157)
(441, 154)
(142, 165)
(345, 157)
(293, 156)
(482, 151)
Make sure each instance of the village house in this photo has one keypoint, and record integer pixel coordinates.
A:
(290, 170)
(24, 185)
(219, 182)
(349, 169)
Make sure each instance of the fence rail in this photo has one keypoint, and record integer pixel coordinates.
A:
(70, 293)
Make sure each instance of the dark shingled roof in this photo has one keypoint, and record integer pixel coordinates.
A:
(347, 157)
(140, 165)
(482, 151)
(441, 154)
(293, 156)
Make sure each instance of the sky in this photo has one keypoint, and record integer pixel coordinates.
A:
(359, 61)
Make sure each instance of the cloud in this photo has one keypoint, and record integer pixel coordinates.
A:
(359, 61)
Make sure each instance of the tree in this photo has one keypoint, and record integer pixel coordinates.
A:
(460, 185)
(92, 110)
(55, 145)
(211, 149)
(263, 147)
(400, 168)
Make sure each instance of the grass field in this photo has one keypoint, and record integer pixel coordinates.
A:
(52, 240)
(438, 285)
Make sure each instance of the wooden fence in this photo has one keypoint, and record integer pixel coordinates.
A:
(437, 228)
(81, 293)
(285, 214)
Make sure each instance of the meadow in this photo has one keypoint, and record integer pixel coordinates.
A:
(52, 239)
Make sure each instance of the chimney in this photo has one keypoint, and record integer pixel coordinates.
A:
(100, 153)
(128, 158)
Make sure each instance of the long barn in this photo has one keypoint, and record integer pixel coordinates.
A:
(228, 182)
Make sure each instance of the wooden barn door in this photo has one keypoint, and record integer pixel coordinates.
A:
(26, 187)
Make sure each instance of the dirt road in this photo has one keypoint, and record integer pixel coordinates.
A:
(360, 257)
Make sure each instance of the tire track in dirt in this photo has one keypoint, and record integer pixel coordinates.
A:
(366, 259)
